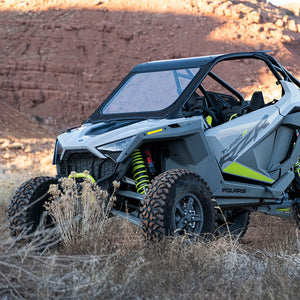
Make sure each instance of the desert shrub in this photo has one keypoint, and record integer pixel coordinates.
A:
(79, 210)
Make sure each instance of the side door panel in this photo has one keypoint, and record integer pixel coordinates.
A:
(243, 146)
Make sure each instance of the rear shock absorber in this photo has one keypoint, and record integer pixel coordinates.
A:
(139, 171)
(297, 165)
(297, 168)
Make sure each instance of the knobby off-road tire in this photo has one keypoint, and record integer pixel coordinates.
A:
(296, 207)
(26, 206)
(177, 202)
(296, 213)
(235, 223)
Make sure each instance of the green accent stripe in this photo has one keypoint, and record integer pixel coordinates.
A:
(232, 116)
(284, 209)
(240, 170)
(209, 120)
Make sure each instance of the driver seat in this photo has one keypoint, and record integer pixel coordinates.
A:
(257, 101)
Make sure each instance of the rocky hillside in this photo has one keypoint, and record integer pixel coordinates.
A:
(60, 59)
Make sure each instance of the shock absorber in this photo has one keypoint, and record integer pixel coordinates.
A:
(139, 171)
(297, 168)
(149, 161)
(297, 165)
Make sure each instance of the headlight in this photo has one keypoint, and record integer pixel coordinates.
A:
(116, 146)
(57, 152)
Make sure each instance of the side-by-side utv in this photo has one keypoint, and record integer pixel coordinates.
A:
(181, 140)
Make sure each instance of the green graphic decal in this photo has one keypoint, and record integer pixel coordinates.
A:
(241, 170)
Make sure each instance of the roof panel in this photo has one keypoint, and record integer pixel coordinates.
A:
(191, 62)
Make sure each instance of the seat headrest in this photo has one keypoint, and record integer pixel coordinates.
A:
(257, 101)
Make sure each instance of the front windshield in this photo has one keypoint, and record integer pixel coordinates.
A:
(151, 91)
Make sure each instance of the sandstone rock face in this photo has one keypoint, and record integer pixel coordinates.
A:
(18, 125)
(57, 63)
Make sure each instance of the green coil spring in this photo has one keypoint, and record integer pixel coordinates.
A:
(297, 167)
(139, 171)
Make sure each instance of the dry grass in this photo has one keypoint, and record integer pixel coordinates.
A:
(173, 269)
(107, 258)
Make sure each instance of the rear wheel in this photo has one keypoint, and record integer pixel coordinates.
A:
(233, 222)
(296, 187)
(26, 211)
(296, 212)
(178, 202)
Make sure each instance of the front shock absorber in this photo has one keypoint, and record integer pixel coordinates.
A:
(149, 161)
(139, 171)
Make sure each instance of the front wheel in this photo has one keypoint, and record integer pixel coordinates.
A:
(26, 209)
(177, 202)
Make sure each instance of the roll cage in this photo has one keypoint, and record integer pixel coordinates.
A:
(205, 65)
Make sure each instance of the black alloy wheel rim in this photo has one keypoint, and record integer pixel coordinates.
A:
(188, 215)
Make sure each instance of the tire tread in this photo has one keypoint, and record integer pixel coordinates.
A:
(155, 202)
(18, 213)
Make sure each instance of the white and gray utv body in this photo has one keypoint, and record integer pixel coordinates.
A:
(174, 145)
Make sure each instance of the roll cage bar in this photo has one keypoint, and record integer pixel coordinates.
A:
(226, 85)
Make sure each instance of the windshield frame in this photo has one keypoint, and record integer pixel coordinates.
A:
(171, 110)
(163, 86)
